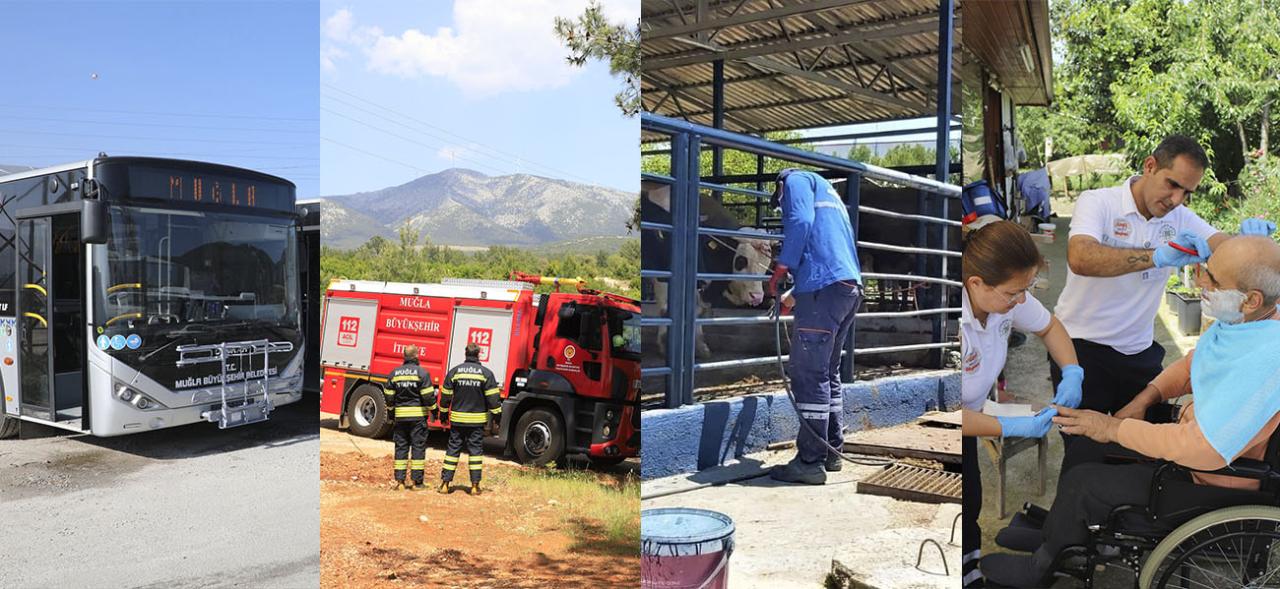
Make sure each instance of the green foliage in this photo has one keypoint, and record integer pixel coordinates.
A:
(415, 260)
(1130, 73)
(591, 36)
(1260, 195)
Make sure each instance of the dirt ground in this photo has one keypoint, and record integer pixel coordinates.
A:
(372, 536)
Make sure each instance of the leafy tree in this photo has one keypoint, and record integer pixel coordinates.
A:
(418, 260)
(1128, 73)
(592, 36)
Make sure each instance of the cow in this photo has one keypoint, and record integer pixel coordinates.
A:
(716, 254)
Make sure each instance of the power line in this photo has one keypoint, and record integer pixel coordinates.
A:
(89, 152)
(393, 134)
(164, 125)
(514, 157)
(354, 148)
(137, 138)
(163, 114)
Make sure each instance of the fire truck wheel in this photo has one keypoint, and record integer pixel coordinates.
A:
(539, 437)
(367, 412)
(8, 427)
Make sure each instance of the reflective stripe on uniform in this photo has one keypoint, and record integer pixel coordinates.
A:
(388, 392)
(417, 464)
(468, 418)
(808, 415)
(405, 378)
(400, 464)
(495, 410)
(464, 376)
(493, 391)
(411, 411)
(811, 407)
(450, 462)
(475, 462)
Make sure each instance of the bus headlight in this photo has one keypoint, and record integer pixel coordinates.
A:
(144, 403)
(124, 393)
(607, 431)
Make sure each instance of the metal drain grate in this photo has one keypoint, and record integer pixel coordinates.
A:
(913, 483)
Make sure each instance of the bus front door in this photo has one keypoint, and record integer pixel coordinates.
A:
(51, 321)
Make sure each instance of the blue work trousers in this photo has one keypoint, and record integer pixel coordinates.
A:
(823, 321)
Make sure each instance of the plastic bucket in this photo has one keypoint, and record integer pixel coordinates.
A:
(684, 548)
(1048, 229)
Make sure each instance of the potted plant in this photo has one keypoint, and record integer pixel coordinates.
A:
(1184, 300)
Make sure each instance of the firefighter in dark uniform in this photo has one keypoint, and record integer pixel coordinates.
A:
(470, 396)
(411, 396)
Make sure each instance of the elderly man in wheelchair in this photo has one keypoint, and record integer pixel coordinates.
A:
(1199, 497)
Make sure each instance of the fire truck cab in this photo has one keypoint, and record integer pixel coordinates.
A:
(568, 363)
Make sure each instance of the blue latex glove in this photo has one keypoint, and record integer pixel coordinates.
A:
(1255, 226)
(1035, 426)
(1069, 388)
(1167, 257)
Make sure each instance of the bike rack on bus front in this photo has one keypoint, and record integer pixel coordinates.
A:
(246, 411)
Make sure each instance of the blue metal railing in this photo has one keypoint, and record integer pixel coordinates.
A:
(686, 183)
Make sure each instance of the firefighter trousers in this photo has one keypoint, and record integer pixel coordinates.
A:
(474, 437)
(406, 434)
(823, 321)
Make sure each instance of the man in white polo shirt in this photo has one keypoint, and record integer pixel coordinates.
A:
(1119, 260)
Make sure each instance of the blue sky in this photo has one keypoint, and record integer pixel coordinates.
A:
(231, 82)
(410, 89)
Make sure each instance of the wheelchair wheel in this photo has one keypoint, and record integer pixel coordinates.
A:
(1231, 547)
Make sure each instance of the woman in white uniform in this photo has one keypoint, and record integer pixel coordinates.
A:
(999, 267)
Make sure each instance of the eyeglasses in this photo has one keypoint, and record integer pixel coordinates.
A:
(1012, 298)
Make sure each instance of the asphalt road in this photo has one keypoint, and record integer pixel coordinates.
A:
(186, 507)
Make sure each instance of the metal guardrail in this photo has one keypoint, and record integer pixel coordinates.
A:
(682, 278)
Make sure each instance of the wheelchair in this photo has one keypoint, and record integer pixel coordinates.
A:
(1192, 536)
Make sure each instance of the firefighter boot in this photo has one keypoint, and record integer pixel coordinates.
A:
(443, 489)
(475, 489)
(399, 486)
(833, 463)
(418, 486)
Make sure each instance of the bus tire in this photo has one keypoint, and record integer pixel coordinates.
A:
(8, 427)
(539, 438)
(367, 412)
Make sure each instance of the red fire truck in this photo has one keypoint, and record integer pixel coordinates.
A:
(569, 363)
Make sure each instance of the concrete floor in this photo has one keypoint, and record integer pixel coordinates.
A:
(1027, 373)
(787, 536)
(185, 507)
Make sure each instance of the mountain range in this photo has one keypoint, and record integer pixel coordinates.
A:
(467, 208)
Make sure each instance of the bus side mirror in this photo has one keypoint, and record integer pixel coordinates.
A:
(93, 221)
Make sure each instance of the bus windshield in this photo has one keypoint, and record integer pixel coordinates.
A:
(167, 271)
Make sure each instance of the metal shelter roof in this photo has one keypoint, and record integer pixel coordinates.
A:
(1011, 38)
(790, 64)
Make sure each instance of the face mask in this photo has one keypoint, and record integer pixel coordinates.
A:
(1222, 305)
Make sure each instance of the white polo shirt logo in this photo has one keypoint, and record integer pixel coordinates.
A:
(1005, 327)
(1167, 233)
(972, 362)
(1122, 229)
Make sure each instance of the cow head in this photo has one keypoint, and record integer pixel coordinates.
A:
(752, 256)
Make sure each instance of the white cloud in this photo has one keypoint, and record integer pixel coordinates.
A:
(491, 47)
(329, 56)
(338, 27)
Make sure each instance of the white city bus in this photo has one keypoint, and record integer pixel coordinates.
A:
(143, 293)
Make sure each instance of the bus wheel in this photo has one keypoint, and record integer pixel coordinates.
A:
(8, 427)
(367, 412)
(539, 437)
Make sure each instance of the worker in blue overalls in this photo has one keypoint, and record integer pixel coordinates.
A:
(818, 251)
